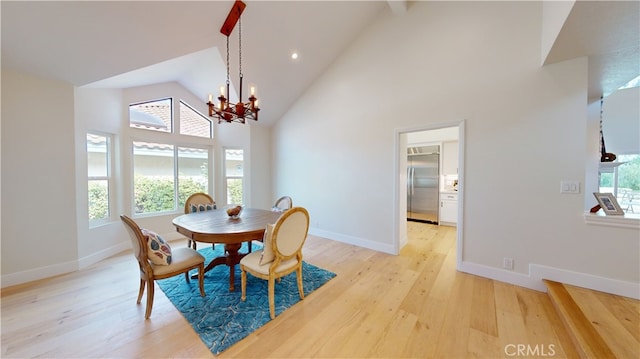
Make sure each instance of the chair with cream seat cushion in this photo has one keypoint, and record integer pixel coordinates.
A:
(182, 261)
(283, 203)
(198, 202)
(285, 243)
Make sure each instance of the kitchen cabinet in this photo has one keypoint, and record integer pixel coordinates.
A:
(448, 209)
(450, 158)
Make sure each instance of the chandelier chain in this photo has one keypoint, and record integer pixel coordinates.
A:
(240, 45)
(228, 82)
(228, 111)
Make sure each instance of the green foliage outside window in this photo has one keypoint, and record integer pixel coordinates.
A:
(98, 200)
(234, 191)
(629, 173)
(156, 195)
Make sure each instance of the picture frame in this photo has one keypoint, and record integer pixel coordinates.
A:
(608, 203)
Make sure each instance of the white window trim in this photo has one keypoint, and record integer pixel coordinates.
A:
(109, 178)
(226, 177)
(628, 220)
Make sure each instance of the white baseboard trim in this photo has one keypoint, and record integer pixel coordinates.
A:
(93, 258)
(502, 275)
(539, 272)
(376, 246)
(602, 284)
(34, 274)
(38, 273)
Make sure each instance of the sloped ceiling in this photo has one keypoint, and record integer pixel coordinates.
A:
(127, 43)
(133, 43)
(608, 33)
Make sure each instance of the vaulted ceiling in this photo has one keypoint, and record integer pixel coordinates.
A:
(125, 44)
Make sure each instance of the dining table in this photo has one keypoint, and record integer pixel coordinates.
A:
(217, 227)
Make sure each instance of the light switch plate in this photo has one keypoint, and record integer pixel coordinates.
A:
(570, 187)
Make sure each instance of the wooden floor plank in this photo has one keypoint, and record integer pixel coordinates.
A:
(597, 308)
(586, 339)
(414, 305)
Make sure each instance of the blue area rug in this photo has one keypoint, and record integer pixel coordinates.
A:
(221, 318)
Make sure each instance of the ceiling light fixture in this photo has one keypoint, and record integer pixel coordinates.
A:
(227, 111)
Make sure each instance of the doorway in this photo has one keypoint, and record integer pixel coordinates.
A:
(450, 141)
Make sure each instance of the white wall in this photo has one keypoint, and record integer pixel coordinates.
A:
(526, 130)
(98, 110)
(38, 176)
(260, 158)
(554, 14)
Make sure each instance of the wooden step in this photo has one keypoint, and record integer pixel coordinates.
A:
(601, 325)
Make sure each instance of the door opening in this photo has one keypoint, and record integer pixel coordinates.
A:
(430, 181)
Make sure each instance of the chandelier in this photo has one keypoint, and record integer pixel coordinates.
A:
(225, 110)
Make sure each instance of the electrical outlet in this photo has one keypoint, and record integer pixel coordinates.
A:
(507, 263)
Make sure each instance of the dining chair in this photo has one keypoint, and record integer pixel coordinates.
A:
(182, 261)
(281, 254)
(198, 202)
(282, 204)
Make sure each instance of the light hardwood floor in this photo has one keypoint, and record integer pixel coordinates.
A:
(415, 305)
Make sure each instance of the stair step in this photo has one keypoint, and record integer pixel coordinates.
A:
(586, 338)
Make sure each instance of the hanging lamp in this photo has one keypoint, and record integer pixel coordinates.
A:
(225, 110)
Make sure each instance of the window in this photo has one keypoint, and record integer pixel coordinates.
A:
(168, 167)
(623, 181)
(152, 115)
(234, 173)
(193, 123)
(99, 178)
(193, 172)
(153, 177)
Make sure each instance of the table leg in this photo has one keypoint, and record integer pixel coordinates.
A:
(231, 258)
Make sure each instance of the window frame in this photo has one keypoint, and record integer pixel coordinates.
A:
(179, 125)
(175, 139)
(226, 177)
(172, 120)
(109, 178)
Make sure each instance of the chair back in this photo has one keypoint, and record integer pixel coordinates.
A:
(197, 199)
(283, 203)
(138, 241)
(290, 232)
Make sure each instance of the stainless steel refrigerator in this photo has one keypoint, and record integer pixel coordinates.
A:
(423, 183)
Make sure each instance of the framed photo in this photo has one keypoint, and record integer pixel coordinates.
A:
(608, 203)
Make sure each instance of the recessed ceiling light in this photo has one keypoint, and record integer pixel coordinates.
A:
(294, 55)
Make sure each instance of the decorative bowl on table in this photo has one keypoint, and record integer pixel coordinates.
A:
(234, 212)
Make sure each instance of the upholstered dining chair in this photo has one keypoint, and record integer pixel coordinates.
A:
(182, 260)
(282, 204)
(281, 254)
(198, 202)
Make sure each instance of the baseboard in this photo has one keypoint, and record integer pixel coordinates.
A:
(602, 284)
(502, 275)
(93, 258)
(376, 246)
(53, 270)
(31, 275)
(537, 273)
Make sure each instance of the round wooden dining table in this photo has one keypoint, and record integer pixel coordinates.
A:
(216, 226)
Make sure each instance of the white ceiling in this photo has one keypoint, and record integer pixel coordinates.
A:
(608, 32)
(127, 43)
(152, 42)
